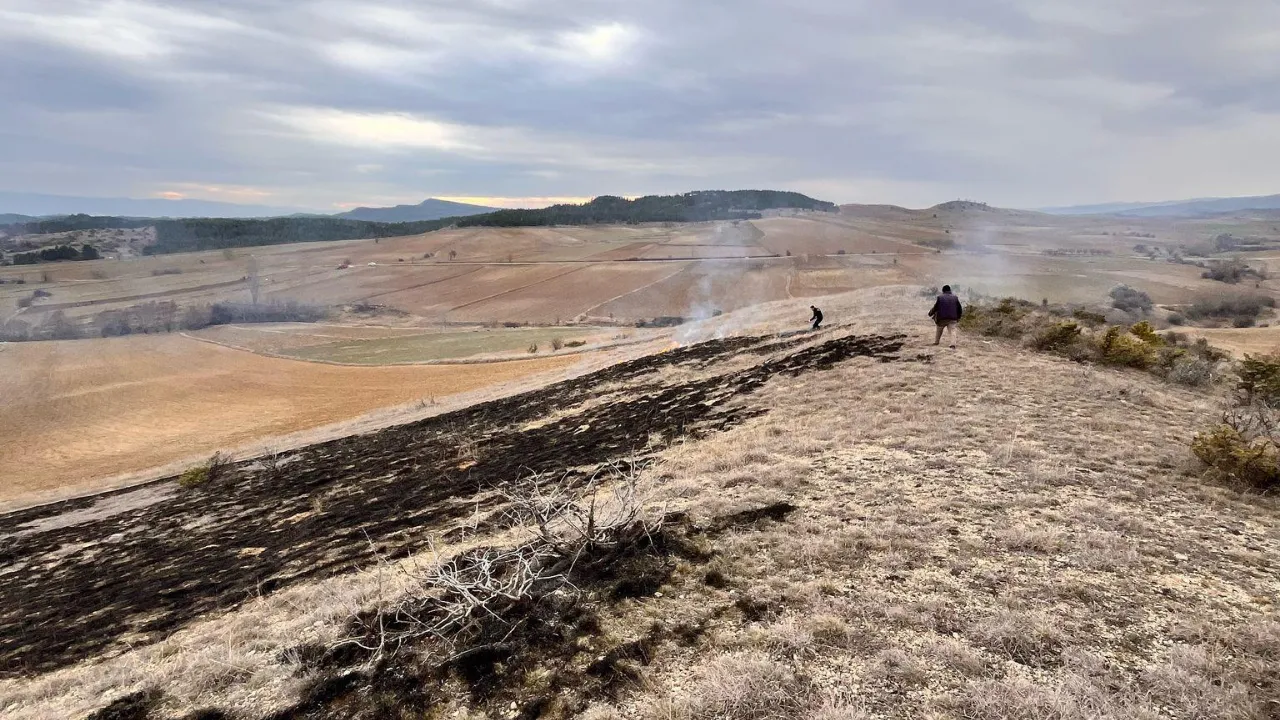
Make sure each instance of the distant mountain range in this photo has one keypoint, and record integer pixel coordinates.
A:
(429, 209)
(1173, 208)
(16, 207)
(39, 205)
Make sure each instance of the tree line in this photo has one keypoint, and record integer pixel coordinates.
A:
(54, 254)
(156, 317)
(189, 234)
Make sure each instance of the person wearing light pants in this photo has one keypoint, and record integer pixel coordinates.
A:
(946, 313)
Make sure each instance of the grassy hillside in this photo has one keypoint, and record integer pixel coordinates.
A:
(842, 524)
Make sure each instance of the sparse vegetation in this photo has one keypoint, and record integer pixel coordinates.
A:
(1137, 346)
(1241, 309)
(938, 243)
(1130, 300)
(1244, 449)
(210, 470)
(1231, 271)
(1056, 337)
(557, 343)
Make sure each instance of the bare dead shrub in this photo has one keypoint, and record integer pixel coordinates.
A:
(571, 519)
(273, 462)
(557, 343)
(452, 599)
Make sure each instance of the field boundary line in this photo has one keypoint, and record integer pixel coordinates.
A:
(445, 363)
(587, 312)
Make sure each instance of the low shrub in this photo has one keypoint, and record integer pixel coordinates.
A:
(212, 469)
(1259, 380)
(1005, 319)
(533, 348)
(1230, 271)
(1177, 319)
(1191, 371)
(557, 343)
(1146, 333)
(1056, 337)
(1116, 347)
(1242, 450)
(575, 343)
(1130, 299)
(1233, 307)
(194, 477)
(1089, 317)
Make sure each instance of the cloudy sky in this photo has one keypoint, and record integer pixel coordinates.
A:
(331, 103)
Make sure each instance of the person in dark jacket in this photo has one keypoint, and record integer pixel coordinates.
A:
(817, 316)
(946, 313)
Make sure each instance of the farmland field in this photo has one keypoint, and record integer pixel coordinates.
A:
(438, 345)
(75, 412)
(100, 407)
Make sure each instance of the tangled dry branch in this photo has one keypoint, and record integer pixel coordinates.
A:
(449, 600)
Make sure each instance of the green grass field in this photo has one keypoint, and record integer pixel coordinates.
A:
(438, 346)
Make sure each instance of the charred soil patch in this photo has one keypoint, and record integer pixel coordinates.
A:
(73, 592)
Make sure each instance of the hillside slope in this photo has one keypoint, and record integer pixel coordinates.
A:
(853, 525)
(1174, 208)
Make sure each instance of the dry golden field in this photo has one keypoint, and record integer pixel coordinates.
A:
(76, 413)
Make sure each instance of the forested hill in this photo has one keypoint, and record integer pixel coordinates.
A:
(187, 234)
(689, 207)
(216, 233)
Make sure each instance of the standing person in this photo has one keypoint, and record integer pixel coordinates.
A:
(946, 313)
(817, 316)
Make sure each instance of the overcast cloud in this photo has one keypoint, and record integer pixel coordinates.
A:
(329, 103)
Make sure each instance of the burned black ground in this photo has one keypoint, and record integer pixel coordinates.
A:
(75, 592)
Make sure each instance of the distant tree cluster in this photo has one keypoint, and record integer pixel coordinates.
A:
(1232, 271)
(157, 317)
(1077, 252)
(73, 223)
(222, 233)
(1242, 310)
(54, 254)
